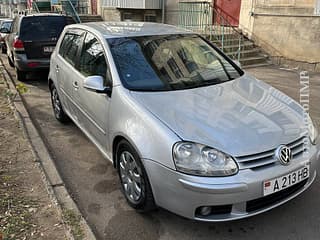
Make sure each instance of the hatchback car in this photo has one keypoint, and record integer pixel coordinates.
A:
(185, 127)
(5, 26)
(32, 40)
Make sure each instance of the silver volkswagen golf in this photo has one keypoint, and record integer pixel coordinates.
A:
(185, 127)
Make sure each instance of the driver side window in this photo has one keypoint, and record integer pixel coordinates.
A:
(92, 59)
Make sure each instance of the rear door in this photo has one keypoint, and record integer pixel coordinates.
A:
(40, 34)
(65, 64)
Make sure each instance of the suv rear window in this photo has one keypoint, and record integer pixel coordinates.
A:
(43, 27)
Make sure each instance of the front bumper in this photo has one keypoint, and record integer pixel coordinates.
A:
(232, 197)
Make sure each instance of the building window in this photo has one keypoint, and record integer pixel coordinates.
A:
(150, 18)
(126, 16)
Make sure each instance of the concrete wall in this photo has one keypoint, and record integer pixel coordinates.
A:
(290, 34)
(296, 38)
(172, 12)
(273, 6)
(297, 3)
(111, 14)
(246, 19)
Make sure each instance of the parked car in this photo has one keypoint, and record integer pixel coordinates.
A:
(5, 26)
(32, 40)
(185, 127)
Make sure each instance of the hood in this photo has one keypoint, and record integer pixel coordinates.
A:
(240, 117)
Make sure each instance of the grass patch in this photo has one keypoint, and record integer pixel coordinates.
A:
(73, 220)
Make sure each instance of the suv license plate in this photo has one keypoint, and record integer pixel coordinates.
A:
(48, 49)
(283, 182)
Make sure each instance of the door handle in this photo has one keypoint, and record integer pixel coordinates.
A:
(75, 84)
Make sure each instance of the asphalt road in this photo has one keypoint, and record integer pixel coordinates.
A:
(94, 185)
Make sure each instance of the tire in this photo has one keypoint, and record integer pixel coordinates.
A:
(134, 177)
(21, 75)
(58, 111)
(10, 62)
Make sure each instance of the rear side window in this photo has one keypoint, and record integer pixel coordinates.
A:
(69, 47)
(42, 27)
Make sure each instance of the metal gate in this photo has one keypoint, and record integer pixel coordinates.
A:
(203, 18)
(196, 16)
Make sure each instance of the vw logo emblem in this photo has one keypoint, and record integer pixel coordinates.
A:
(284, 154)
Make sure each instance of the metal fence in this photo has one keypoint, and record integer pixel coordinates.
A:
(196, 16)
(203, 18)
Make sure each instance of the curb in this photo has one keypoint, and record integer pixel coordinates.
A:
(52, 179)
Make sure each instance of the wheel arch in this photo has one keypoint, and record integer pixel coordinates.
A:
(118, 138)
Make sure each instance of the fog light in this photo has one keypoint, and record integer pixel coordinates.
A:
(204, 211)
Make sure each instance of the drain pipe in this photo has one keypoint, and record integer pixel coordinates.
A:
(163, 10)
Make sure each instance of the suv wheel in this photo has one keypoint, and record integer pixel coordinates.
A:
(134, 180)
(59, 114)
(21, 75)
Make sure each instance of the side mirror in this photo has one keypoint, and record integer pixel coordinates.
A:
(237, 63)
(4, 30)
(95, 84)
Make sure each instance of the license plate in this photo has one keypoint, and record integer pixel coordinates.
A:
(283, 182)
(48, 49)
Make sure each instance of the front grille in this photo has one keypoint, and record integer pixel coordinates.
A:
(269, 200)
(267, 158)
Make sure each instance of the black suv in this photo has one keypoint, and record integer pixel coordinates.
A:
(31, 41)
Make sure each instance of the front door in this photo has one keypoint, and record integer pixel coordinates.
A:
(229, 10)
(94, 107)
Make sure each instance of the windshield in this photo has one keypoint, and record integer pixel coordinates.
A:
(171, 62)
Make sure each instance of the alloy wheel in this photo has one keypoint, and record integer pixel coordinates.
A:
(56, 102)
(131, 177)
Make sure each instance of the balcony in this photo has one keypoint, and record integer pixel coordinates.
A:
(133, 4)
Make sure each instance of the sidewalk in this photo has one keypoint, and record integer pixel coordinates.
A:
(26, 211)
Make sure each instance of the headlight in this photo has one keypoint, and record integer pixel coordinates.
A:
(313, 132)
(197, 159)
